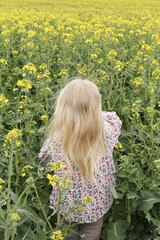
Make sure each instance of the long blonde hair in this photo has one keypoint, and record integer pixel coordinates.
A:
(78, 117)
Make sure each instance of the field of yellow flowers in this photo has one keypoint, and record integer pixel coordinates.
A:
(44, 44)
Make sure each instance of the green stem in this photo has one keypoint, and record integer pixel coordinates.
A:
(152, 102)
(18, 100)
(46, 100)
(128, 209)
(9, 178)
(1, 213)
(42, 208)
(131, 140)
(25, 200)
(1, 81)
(20, 197)
(154, 212)
(65, 232)
(58, 203)
(13, 234)
(6, 235)
(142, 138)
(17, 172)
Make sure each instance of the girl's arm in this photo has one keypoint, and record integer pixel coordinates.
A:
(45, 152)
(113, 126)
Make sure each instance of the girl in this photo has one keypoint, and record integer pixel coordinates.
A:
(83, 137)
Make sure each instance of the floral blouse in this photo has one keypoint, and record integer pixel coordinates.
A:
(99, 191)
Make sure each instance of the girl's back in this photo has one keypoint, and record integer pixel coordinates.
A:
(98, 191)
(83, 137)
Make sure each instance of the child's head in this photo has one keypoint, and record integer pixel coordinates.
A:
(78, 116)
(80, 97)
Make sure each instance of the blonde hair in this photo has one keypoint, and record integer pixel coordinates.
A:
(78, 117)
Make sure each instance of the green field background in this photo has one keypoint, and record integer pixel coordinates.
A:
(45, 44)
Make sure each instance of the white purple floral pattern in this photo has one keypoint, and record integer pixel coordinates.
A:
(99, 192)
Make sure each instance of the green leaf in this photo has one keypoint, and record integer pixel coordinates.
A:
(131, 195)
(31, 214)
(156, 139)
(25, 232)
(156, 222)
(114, 193)
(3, 223)
(14, 197)
(2, 202)
(41, 236)
(148, 216)
(146, 202)
(117, 230)
(23, 219)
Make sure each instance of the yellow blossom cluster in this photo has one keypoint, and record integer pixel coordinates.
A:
(30, 67)
(1, 181)
(3, 101)
(26, 169)
(25, 85)
(112, 54)
(14, 53)
(118, 146)
(56, 179)
(138, 81)
(136, 108)
(88, 200)
(44, 117)
(57, 235)
(13, 136)
(14, 218)
(3, 62)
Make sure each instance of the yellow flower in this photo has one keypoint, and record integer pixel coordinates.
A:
(3, 101)
(14, 53)
(18, 143)
(118, 146)
(51, 180)
(89, 41)
(27, 169)
(52, 166)
(63, 72)
(57, 235)
(93, 56)
(44, 117)
(3, 62)
(138, 81)
(30, 68)
(112, 54)
(24, 84)
(43, 66)
(88, 199)
(13, 135)
(67, 41)
(31, 33)
(1, 181)
(14, 217)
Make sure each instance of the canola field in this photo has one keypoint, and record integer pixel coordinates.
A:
(44, 44)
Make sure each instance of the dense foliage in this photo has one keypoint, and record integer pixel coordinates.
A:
(44, 44)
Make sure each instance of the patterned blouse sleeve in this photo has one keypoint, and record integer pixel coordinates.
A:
(45, 152)
(113, 126)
